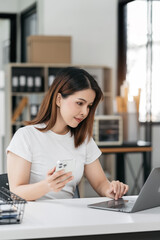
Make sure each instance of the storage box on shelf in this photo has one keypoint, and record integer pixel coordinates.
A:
(49, 49)
(27, 83)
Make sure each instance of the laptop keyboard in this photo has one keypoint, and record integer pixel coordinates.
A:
(127, 206)
(121, 205)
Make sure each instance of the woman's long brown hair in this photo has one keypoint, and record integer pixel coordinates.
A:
(67, 82)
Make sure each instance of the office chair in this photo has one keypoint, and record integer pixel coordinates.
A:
(4, 180)
(76, 193)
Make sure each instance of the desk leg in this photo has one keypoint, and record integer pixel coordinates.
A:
(120, 167)
(146, 165)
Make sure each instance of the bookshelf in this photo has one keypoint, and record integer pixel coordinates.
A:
(26, 84)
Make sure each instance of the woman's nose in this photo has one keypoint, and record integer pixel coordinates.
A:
(85, 111)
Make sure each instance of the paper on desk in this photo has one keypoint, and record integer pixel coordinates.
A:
(7, 208)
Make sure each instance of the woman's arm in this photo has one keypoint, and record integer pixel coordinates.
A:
(95, 175)
(19, 174)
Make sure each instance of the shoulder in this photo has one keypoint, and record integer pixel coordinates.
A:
(28, 131)
(92, 150)
(91, 146)
(24, 130)
(30, 128)
(89, 141)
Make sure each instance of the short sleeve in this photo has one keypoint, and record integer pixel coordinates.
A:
(92, 151)
(20, 145)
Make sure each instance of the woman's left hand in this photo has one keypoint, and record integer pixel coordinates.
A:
(116, 190)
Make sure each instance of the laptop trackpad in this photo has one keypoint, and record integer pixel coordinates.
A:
(120, 203)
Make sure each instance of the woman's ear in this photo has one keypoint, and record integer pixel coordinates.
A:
(58, 100)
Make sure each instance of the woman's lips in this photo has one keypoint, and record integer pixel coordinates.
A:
(78, 120)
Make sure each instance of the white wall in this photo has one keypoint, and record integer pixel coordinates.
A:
(92, 25)
(14, 6)
(8, 6)
(24, 4)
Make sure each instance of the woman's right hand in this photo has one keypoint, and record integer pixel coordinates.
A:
(57, 180)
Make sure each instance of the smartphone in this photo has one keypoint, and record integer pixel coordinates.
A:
(68, 165)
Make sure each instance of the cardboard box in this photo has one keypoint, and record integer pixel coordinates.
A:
(49, 49)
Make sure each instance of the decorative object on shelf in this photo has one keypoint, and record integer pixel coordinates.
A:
(126, 103)
(108, 130)
(127, 106)
(19, 109)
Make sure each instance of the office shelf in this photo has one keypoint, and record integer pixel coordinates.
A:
(45, 73)
(20, 84)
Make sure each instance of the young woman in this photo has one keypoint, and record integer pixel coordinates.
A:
(62, 130)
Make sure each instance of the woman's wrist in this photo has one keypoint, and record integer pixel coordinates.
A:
(104, 187)
(45, 186)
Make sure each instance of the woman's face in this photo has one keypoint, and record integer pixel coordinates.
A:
(75, 108)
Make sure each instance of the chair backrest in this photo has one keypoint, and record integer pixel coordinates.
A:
(4, 180)
(76, 193)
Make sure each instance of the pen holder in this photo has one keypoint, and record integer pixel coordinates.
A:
(11, 207)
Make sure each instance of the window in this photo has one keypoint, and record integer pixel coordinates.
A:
(7, 39)
(28, 27)
(141, 48)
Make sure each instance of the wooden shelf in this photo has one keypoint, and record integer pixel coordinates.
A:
(27, 93)
(102, 74)
(18, 123)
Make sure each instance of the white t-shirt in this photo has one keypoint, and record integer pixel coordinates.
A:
(44, 149)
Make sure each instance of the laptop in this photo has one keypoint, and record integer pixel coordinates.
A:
(149, 197)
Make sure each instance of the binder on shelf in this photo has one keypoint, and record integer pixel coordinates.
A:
(38, 84)
(30, 84)
(15, 84)
(34, 108)
(51, 80)
(19, 109)
(22, 83)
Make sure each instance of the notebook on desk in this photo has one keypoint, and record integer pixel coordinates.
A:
(148, 197)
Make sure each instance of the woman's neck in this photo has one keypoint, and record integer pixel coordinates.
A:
(61, 131)
(60, 126)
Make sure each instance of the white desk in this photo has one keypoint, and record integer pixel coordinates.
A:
(64, 218)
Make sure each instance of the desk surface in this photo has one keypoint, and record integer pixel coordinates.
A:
(128, 147)
(72, 217)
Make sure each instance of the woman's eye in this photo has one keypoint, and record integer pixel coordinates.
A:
(79, 103)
